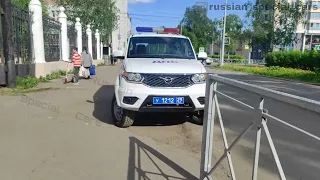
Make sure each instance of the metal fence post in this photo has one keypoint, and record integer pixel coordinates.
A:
(273, 150)
(257, 121)
(208, 126)
(31, 42)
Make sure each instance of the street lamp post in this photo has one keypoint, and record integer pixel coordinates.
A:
(223, 35)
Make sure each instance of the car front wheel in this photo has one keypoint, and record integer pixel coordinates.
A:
(122, 118)
(197, 117)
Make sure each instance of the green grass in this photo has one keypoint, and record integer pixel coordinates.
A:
(280, 72)
(31, 82)
(28, 84)
(18, 92)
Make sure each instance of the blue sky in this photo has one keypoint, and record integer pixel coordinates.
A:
(168, 13)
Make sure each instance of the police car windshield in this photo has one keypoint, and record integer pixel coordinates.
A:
(160, 47)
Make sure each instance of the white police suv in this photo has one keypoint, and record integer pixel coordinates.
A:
(159, 73)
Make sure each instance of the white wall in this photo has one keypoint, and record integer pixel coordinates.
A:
(124, 26)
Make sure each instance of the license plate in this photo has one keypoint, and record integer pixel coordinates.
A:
(168, 100)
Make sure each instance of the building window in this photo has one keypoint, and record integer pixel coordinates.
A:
(315, 4)
(315, 26)
(314, 15)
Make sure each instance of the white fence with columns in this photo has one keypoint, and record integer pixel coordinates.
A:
(43, 68)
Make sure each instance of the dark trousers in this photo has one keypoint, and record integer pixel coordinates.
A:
(76, 73)
(112, 59)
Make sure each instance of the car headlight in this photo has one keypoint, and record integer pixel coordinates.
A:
(199, 78)
(132, 77)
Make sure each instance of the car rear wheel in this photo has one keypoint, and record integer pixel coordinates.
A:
(122, 118)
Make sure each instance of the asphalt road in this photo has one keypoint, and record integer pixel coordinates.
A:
(298, 153)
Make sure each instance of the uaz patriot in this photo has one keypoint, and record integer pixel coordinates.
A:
(159, 73)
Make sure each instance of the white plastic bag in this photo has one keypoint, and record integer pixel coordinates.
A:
(83, 72)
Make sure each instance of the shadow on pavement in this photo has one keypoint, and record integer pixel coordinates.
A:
(135, 167)
(102, 111)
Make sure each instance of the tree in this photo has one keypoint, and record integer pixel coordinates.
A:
(197, 26)
(24, 4)
(275, 22)
(100, 14)
(21, 27)
(234, 26)
(234, 31)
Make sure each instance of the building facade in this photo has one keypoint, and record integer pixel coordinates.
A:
(308, 30)
(123, 31)
(119, 35)
(308, 33)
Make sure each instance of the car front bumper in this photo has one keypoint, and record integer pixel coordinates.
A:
(138, 97)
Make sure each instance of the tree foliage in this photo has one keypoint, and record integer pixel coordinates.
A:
(197, 26)
(234, 30)
(276, 22)
(100, 14)
(24, 4)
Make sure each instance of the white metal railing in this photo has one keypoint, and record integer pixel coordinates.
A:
(212, 110)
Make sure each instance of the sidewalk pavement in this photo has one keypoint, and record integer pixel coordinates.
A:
(55, 135)
(68, 134)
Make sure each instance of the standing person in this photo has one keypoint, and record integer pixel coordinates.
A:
(86, 59)
(111, 55)
(76, 59)
(112, 60)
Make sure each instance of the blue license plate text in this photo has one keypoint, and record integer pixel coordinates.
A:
(168, 100)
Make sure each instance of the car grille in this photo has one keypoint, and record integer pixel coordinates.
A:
(163, 80)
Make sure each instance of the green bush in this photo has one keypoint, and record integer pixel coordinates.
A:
(27, 82)
(31, 82)
(230, 56)
(308, 60)
(238, 60)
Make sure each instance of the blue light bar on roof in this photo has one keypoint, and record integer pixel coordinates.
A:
(158, 30)
(144, 29)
